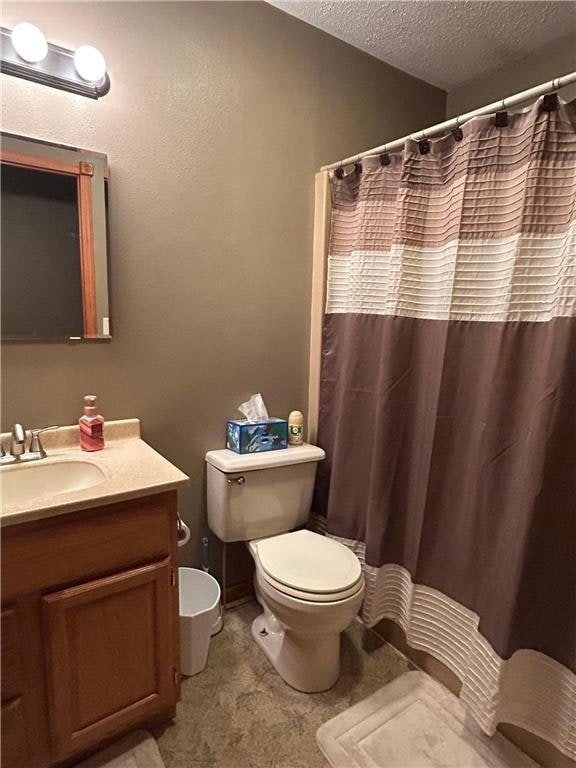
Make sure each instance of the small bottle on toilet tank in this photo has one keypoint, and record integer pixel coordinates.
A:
(296, 428)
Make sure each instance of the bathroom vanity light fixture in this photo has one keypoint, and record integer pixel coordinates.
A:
(26, 54)
(90, 64)
(29, 42)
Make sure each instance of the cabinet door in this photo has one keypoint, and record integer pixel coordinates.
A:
(24, 742)
(110, 659)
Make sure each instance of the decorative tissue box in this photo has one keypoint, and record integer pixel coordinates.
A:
(256, 436)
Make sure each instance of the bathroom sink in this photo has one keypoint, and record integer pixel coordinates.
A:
(25, 482)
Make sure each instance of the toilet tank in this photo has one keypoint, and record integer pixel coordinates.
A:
(251, 496)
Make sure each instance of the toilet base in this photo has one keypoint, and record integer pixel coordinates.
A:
(308, 663)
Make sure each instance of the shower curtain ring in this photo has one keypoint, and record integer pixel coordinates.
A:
(424, 144)
(457, 131)
(501, 117)
(384, 156)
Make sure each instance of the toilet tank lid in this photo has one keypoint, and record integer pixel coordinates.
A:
(228, 461)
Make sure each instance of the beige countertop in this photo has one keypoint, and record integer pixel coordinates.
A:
(130, 466)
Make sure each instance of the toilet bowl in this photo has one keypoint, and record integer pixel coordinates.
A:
(309, 586)
(310, 589)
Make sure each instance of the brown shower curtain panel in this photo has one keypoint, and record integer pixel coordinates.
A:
(448, 406)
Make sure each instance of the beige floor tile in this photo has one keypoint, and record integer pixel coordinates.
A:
(239, 713)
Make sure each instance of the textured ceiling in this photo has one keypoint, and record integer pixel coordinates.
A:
(443, 43)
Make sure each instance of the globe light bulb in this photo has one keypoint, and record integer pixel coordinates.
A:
(29, 42)
(90, 64)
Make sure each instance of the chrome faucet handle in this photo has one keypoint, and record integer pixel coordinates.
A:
(18, 440)
(35, 443)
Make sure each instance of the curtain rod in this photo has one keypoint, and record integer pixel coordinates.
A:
(509, 101)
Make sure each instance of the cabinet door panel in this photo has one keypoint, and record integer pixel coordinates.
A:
(109, 648)
(24, 714)
(11, 680)
(15, 752)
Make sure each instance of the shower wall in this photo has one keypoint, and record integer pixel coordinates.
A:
(544, 64)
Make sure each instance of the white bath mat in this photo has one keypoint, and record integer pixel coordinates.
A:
(137, 750)
(414, 722)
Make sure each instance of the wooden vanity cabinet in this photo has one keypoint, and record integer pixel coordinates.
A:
(89, 629)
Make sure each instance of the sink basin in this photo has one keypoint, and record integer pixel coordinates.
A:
(25, 482)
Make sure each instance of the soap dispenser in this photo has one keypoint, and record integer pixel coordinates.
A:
(91, 426)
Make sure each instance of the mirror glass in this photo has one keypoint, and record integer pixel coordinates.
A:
(54, 265)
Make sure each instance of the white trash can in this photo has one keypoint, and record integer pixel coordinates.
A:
(199, 615)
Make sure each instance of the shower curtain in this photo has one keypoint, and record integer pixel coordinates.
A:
(448, 405)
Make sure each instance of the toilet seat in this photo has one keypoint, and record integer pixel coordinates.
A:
(308, 566)
(312, 597)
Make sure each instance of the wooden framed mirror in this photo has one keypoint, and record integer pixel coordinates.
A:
(54, 242)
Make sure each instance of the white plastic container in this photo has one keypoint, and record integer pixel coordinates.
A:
(199, 616)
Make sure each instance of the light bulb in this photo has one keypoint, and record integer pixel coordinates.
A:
(29, 42)
(90, 64)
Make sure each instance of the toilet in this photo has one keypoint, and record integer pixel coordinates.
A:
(310, 587)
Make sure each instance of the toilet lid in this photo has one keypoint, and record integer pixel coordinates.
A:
(309, 562)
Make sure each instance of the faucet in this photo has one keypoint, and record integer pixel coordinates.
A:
(18, 441)
(18, 451)
(36, 450)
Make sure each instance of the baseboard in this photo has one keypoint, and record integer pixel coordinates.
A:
(235, 592)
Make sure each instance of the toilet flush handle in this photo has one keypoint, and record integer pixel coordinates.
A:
(236, 480)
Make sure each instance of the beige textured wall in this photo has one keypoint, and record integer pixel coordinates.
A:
(218, 116)
(544, 64)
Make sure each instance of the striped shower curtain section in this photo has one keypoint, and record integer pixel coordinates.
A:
(448, 405)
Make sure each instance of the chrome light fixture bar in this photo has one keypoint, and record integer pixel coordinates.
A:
(59, 67)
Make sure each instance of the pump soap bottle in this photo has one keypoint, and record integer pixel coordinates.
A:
(91, 426)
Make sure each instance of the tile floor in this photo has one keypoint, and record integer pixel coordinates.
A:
(239, 713)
